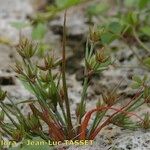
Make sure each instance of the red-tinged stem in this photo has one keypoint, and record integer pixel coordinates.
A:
(94, 134)
(88, 116)
(135, 96)
(53, 127)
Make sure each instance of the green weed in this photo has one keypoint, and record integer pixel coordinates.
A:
(51, 107)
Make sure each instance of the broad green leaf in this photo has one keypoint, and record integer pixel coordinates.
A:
(97, 9)
(108, 37)
(130, 3)
(146, 30)
(66, 3)
(130, 18)
(147, 61)
(39, 31)
(115, 27)
(19, 25)
(134, 18)
(143, 3)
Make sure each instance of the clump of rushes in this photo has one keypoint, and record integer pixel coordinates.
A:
(50, 115)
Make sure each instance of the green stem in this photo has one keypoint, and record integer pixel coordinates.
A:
(88, 55)
(4, 128)
(20, 114)
(137, 56)
(82, 104)
(3, 108)
(139, 41)
(59, 101)
(67, 103)
(97, 120)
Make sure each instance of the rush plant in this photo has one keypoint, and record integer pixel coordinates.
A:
(50, 113)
